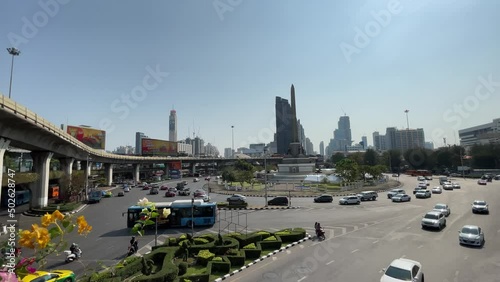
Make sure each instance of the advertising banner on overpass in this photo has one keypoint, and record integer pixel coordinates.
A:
(174, 165)
(155, 147)
(91, 137)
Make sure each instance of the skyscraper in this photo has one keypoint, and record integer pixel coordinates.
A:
(283, 125)
(365, 142)
(138, 142)
(322, 148)
(172, 127)
(342, 135)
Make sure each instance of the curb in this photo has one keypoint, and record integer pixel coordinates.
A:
(79, 209)
(308, 237)
(260, 208)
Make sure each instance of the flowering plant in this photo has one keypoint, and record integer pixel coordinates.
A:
(44, 240)
(148, 213)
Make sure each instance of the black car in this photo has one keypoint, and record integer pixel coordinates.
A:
(154, 191)
(324, 199)
(278, 201)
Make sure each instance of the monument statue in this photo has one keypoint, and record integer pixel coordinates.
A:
(295, 149)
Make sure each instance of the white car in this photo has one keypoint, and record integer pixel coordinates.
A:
(447, 186)
(401, 198)
(434, 219)
(423, 185)
(350, 200)
(471, 235)
(394, 192)
(237, 198)
(423, 194)
(403, 270)
(480, 207)
(437, 190)
(126, 189)
(443, 208)
(455, 185)
(420, 178)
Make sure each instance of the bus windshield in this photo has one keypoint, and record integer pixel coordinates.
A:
(182, 213)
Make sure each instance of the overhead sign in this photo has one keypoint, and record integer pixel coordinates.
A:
(155, 147)
(91, 137)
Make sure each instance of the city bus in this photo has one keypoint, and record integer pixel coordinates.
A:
(180, 214)
(420, 172)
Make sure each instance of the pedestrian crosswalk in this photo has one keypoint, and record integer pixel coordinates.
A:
(330, 233)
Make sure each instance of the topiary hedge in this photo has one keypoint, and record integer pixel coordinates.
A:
(229, 243)
(269, 245)
(204, 256)
(168, 271)
(291, 235)
(215, 267)
(249, 238)
(205, 277)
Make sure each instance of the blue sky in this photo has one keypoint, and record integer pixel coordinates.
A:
(222, 63)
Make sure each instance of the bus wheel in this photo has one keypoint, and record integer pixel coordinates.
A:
(190, 224)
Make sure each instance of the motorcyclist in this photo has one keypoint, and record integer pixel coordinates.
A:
(319, 230)
(75, 250)
(134, 245)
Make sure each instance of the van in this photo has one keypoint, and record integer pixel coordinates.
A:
(278, 201)
(443, 179)
(368, 196)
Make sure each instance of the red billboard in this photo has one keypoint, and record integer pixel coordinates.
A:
(174, 166)
(155, 147)
(91, 137)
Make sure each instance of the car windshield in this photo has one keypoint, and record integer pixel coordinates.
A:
(431, 216)
(400, 195)
(480, 203)
(398, 273)
(470, 230)
(440, 207)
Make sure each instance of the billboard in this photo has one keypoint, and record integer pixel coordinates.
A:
(174, 165)
(155, 147)
(91, 137)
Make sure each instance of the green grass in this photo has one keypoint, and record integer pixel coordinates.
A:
(196, 269)
(63, 207)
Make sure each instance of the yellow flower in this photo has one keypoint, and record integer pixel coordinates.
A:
(83, 226)
(25, 239)
(40, 236)
(57, 214)
(47, 219)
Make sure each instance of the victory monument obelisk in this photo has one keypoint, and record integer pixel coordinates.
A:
(295, 166)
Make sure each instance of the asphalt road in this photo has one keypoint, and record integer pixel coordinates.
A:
(385, 231)
(361, 240)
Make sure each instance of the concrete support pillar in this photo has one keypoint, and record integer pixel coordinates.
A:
(67, 169)
(136, 170)
(193, 168)
(109, 174)
(166, 172)
(40, 188)
(4, 144)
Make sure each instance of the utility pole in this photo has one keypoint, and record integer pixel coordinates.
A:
(265, 175)
(407, 121)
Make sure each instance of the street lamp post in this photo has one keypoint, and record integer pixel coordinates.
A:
(87, 177)
(192, 217)
(265, 175)
(14, 52)
(232, 141)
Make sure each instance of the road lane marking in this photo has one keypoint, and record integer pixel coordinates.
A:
(301, 279)
(354, 251)
(403, 256)
(330, 262)
(275, 258)
(420, 246)
(288, 252)
(466, 257)
(408, 227)
(375, 242)
(301, 246)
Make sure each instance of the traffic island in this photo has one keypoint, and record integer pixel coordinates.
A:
(206, 257)
(65, 208)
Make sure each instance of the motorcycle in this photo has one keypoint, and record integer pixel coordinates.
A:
(320, 234)
(72, 256)
(131, 250)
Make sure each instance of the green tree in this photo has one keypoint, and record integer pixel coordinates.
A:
(416, 158)
(370, 157)
(337, 157)
(243, 176)
(9, 162)
(348, 170)
(228, 175)
(71, 186)
(244, 166)
(365, 169)
(358, 157)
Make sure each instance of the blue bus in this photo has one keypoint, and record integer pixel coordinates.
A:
(21, 197)
(183, 213)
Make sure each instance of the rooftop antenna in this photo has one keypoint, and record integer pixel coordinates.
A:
(407, 121)
(343, 111)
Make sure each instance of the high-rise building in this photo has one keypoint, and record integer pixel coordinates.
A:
(228, 153)
(172, 126)
(283, 125)
(390, 138)
(322, 148)
(342, 135)
(379, 141)
(409, 139)
(429, 145)
(138, 142)
(488, 133)
(365, 142)
(309, 147)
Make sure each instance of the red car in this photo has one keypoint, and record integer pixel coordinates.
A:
(170, 194)
(164, 187)
(145, 187)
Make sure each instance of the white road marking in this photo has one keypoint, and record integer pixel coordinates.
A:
(466, 257)
(354, 251)
(330, 262)
(301, 279)
(301, 246)
(275, 258)
(403, 256)
(288, 251)
(408, 227)
(420, 246)
(375, 242)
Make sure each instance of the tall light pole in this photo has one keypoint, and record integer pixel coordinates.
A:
(265, 174)
(87, 174)
(407, 121)
(232, 138)
(14, 52)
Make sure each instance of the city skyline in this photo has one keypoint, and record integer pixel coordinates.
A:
(74, 71)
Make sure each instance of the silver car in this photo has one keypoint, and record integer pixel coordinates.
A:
(455, 185)
(350, 200)
(434, 219)
(401, 198)
(480, 207)
(403, 270)
(437, 190)
(394, 192)
(443, 208)
(471, 235)
(422, 194)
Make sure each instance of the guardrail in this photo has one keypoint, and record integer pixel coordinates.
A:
(21, 111)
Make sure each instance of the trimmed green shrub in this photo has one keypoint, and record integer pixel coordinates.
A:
(269, 245)
(237, 260)
(291, 235)
(264, 234)
(217, 259)
(200, 241)
(197, 278)
(194, 249)
(271, 238)
(183, 266)
(233, 234)
(219, 267)
(250, 246)
(204, 256)
(229, 243)
(237, 205)
(182, 237)
(182, 241)
(232, 252)
(222, 204)
(252, 253)
(168, 271)
(172, 241)
(248, 239)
